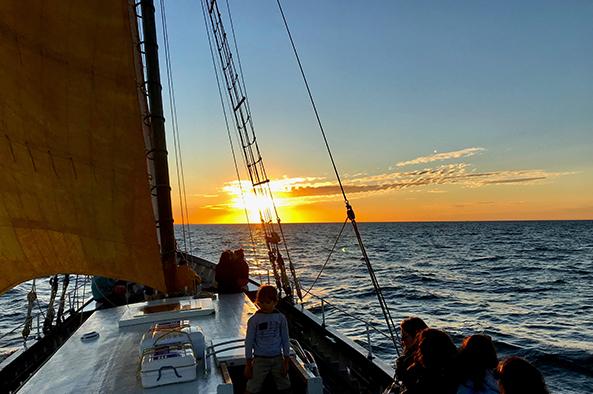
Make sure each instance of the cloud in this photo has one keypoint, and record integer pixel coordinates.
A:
(218, 207)
(518, 180)
(205, 195)
(307, 190)
(442, 156)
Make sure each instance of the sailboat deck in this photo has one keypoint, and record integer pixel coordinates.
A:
(111, 362)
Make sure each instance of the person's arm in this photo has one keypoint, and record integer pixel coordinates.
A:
(248, 371)
(285, 344)
(284, 336)
(249, 342)
(250, 338)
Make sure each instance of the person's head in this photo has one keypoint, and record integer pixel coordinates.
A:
(410, 327)
(226, 257)
(239, 255)
(435, 349)
(516, 375)
(266, 298)
(476, 355)
(479, 350)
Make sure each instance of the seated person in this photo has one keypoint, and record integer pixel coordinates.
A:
(232, 272)
(517, 376)
(187, 281)
(109, 292)
(433, 367)
(477, 361)
(409, 328)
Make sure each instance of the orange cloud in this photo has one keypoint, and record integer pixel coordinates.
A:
(290, 193)
(442, 156)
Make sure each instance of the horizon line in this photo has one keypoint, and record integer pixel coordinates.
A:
(401, 221)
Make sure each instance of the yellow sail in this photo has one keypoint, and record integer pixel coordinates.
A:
(74, 189)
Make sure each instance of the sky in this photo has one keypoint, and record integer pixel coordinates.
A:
(434, 110)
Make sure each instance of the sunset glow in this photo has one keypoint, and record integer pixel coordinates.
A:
(245, 199)
(457, 121)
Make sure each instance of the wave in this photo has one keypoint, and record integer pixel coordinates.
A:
(421, 296)
(581, 363)
(577, 364)
(486, 258)
(498, 277)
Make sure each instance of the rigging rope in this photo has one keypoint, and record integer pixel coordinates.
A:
(86, 280)
(49, 318)
(31, 298)
(295, 277)
(349, 210)
(228, 129)
(328, 257)
(239, 104)
(62, 303)
(176, 138)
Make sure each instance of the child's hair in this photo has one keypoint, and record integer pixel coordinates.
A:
(413, 325)
(477, 355)
(266, 293)
(517, 375)
(479, 351)
(435, 349)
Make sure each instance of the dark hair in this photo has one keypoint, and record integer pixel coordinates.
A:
(476, 355)
(412, 325)
(226, 257)
(435, 349)
(266, 293)
(239, 254)
(517, 375)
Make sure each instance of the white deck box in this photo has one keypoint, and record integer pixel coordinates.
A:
(174, 332)
(168, 364)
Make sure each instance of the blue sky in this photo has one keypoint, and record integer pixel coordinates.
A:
(399, 80)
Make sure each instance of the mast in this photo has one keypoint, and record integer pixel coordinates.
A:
(159, 153)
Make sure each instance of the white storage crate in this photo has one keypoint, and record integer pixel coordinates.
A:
(168, 364)
(174, 332)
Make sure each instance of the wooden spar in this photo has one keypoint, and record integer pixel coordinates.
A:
(161, 167)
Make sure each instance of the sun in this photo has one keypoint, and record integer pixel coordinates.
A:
(243, 198)
(254, 205)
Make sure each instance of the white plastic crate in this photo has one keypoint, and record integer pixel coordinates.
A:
(174, 332)
(168, 364)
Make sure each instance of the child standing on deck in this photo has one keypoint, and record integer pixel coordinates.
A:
(266, 344)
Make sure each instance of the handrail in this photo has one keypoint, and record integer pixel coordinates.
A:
(368, 324)
(37, 325)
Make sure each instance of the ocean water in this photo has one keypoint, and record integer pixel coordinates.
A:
(529, 285)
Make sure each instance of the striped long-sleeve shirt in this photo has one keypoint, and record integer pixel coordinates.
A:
(267, 335)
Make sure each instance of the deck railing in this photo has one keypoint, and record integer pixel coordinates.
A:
(76, 298)
(323, 308)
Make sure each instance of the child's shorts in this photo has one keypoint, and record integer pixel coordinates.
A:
(262, 366)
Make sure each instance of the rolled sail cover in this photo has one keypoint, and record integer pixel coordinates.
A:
(74, 189)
